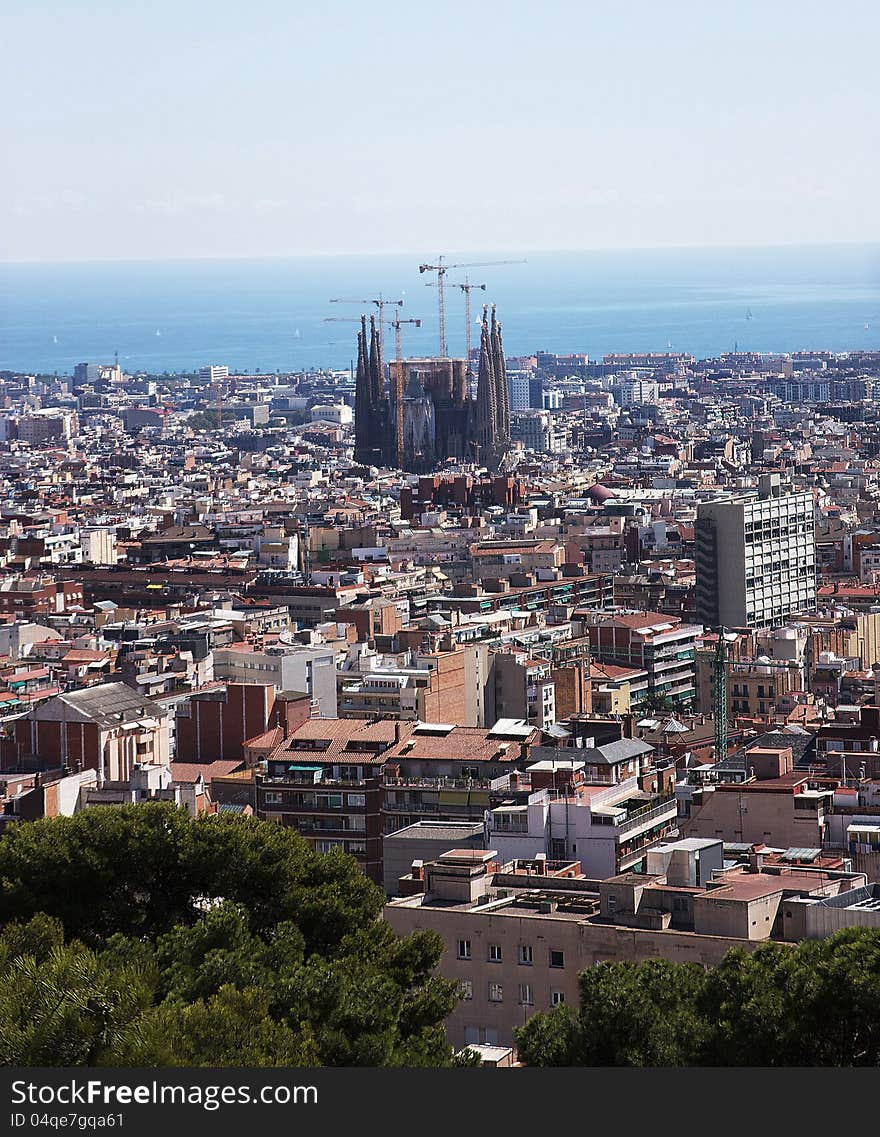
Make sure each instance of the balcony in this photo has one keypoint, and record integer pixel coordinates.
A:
(666, 810)
(296, 780)
(436, 783)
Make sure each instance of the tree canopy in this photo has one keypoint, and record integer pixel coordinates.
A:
(814, 1004)
(135, 935)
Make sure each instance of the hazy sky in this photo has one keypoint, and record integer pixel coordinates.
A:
(280, 127)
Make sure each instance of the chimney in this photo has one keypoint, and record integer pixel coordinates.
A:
(541, 864)
(756, 861)
(397, 730)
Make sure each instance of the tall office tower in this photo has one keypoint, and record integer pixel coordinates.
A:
(755, 557)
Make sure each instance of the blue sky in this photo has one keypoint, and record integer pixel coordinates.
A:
(190, 129)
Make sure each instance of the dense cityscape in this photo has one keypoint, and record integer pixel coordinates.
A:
(576, 660)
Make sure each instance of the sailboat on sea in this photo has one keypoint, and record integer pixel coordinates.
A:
(749, 315)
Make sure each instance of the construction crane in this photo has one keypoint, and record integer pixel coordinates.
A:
(441, 269)
(467, 288)
(395, 322)
(719, 697)
(379, 302)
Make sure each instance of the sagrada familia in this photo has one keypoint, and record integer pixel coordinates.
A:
(427, 414)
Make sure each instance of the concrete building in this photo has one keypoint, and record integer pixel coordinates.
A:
(288, 667)
(451, 686)
(662, 646)
(339, 413)
(98, 543)
(755, 557)
(108, 728)
(777, 805)
(524, 688)
(537, 430)
(517, 934)
(408, 849)
(588, 805)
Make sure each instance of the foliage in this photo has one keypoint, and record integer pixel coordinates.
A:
(137, 936)
(814, 1004)
(207, 420)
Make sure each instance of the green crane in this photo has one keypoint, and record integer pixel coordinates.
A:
(719, 696)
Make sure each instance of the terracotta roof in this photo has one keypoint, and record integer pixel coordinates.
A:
(190, 771)
(344, 739)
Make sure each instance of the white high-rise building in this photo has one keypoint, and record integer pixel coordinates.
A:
(755, 557)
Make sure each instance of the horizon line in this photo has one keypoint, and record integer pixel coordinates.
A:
(209, 258)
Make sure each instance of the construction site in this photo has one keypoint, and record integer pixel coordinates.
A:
(417, 413)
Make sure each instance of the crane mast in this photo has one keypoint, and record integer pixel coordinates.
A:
(719, 697)
(379, 303)
(467, 288)
(395, 322)
(441, 268)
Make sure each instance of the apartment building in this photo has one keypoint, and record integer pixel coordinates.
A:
(755, 557)
(325, 781)
(289, 667)
(662, 646)
(776, 804)
(443, 772)
(517, 934)
(108, 728)
(452, 686)
(524, 687)
(595, 809)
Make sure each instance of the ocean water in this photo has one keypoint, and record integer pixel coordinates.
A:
(271, 314)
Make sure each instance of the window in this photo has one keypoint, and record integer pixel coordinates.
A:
(467, 989)
(557, 959)
(271, 798)
(464, 949)
(557, 997)
(496, 993)
(526, 997)
(494, 953)
(356, 801)
(525, 955)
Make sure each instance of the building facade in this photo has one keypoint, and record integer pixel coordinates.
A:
(755, 557)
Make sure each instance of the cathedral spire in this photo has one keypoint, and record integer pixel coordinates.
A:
(486, 408)
(502, 398)
(363, 409)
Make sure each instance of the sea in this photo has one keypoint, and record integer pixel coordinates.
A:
(290, 314)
